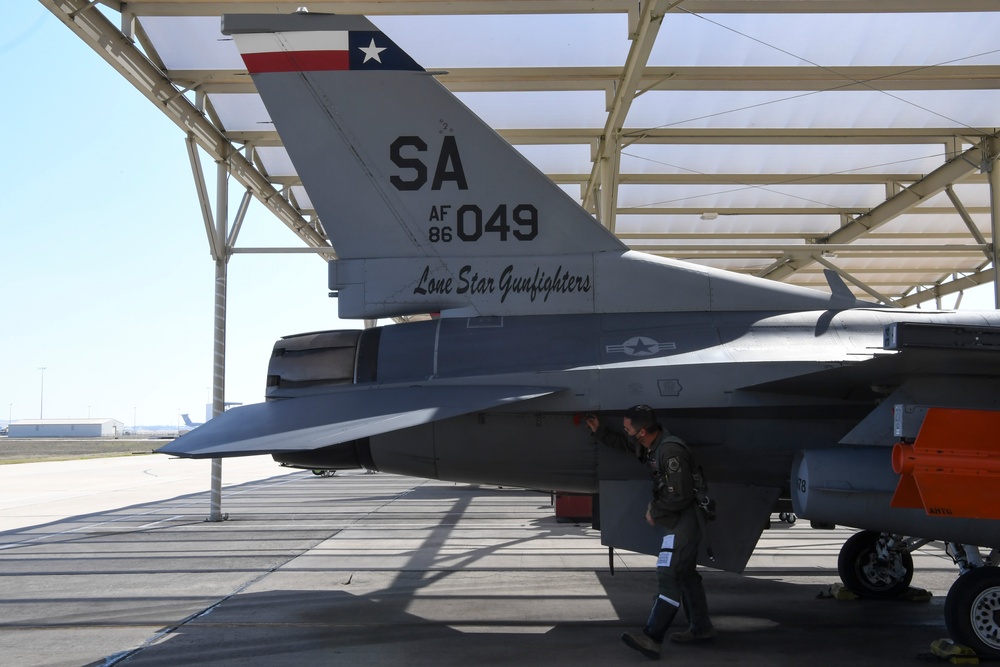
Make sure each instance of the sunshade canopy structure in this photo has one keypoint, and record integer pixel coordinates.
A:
(775, 138)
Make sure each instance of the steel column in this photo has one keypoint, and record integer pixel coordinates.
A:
(219, 347)
(990, 163)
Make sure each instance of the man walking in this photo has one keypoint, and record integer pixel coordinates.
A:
(675, 508)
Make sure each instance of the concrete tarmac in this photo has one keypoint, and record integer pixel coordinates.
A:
(111, 562)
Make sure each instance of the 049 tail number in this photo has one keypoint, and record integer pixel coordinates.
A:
(472, 225)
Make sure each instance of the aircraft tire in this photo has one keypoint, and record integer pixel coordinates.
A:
(861, 572)
(972, 611)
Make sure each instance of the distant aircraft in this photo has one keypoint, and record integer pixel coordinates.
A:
(782, 392)
(191, 425)
(188, 422)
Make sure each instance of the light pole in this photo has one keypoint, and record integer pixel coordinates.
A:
(41, 399)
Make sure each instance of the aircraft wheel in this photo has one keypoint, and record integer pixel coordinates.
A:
(863, 573)
(972, 611)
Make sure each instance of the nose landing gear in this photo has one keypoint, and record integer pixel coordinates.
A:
(876, 565)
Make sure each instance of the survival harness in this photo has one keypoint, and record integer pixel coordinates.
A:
(702, 499)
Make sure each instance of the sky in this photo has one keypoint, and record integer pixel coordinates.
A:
(106, 281)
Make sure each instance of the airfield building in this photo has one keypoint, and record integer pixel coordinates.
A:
(66, 428)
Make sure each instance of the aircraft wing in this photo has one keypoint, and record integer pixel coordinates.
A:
(312, 422)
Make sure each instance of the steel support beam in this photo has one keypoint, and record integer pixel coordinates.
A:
(219, 338)
(963, 213)
(607, 202)
(950, 287)
(624, 92)
(950, 172)
(990, 163)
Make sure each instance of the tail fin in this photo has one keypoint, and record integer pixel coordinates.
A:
(187, 420)
(427, 207)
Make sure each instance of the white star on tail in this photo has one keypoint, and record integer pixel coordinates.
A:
(371, 52)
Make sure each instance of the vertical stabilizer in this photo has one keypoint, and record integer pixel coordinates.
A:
(429, 209)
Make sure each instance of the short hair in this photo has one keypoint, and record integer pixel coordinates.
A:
(643, 418)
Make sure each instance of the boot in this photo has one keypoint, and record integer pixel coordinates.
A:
(696, 608)
(642, 643)
(649, 641)
(690, 636)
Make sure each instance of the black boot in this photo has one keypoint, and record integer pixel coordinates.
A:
(648, 641)
(696, 608)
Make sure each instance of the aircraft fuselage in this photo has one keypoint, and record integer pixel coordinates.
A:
(714, 379)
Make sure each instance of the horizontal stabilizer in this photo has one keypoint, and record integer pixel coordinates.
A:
(953, 467)
(312, 422)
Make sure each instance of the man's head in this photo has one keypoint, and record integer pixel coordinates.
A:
(640, 423)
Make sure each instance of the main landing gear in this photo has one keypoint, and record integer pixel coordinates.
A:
(879, 565)
(876, 565)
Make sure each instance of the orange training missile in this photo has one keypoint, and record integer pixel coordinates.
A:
(953, 468)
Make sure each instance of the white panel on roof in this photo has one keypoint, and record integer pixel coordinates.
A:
(550, 109)
(302, 197)
(817, 159)
(917, 225)
(833, 109)
(510, 40)
(241, 112)
(712, 197)
(971, 194)
(192, 42)
(830, 40)
(558, 158)
(276, 161)
(792, 225)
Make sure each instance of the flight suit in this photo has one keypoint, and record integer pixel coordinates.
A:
(673, 507)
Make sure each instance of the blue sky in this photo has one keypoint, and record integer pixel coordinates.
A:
(106, 280)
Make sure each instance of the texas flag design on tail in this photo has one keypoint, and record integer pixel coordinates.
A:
(322, 51)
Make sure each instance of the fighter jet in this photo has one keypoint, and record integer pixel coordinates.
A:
(882, 419)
